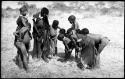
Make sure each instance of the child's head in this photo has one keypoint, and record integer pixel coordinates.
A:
(85, 31)
(69, 32)
(61, 34)
(44, 11)
(23, 10)
(77, 30)
(55, 24)
(62, 31)
(71, 19)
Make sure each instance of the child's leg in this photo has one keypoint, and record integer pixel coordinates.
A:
(23, 54)
(68, 53)
(55, 46)
(76, 54)
(71, 47)
(81, 64)
(27, 48)
(52, 50)
(18, 59)
(39, 50)
(34, 53)
(98, 61)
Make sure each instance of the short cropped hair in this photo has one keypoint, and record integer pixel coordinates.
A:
(62, 31)
(77, 30)
(69, 30)
(23, 8)
(85, 31)
(71, 18)
(45, 11)
(55, 24)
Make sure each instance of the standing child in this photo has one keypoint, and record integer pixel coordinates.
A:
(75, 25)
(22, 41)
(41, 34)
(53, 37)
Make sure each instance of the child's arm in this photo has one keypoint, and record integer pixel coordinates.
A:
(65, 45)
(73, 41)
(15, 33)
(45, 19)
(39, 39)
(35, 28)
(24, 23)
(59, 27)
(77, 26)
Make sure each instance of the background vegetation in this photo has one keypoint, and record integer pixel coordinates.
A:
(112, 8)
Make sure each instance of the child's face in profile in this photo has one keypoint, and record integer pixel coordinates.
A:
(62, 32)
(71, 21)
(44, 15)
(55, 26)
(24, 13)
(70, 33)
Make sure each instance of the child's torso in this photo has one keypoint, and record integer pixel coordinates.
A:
(53, 31)
(67, 40)
(75, 26)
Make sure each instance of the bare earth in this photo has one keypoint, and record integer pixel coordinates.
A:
(112, 57)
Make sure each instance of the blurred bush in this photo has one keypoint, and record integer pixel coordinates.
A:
(112, 8)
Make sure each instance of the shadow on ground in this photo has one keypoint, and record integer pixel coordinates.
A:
(61, 56)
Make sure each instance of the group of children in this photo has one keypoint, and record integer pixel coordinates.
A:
(44, 35)
(87, 46)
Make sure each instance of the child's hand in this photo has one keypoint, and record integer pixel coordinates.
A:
(38, 38)
(77, 48)
(15, 34)
(21, 40)
(70, 50)
(30, 38)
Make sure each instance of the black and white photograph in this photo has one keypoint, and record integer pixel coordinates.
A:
(62, 39)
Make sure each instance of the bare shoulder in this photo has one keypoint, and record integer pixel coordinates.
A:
(19, 19)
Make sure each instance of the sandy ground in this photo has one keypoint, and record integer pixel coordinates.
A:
(112, 57)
